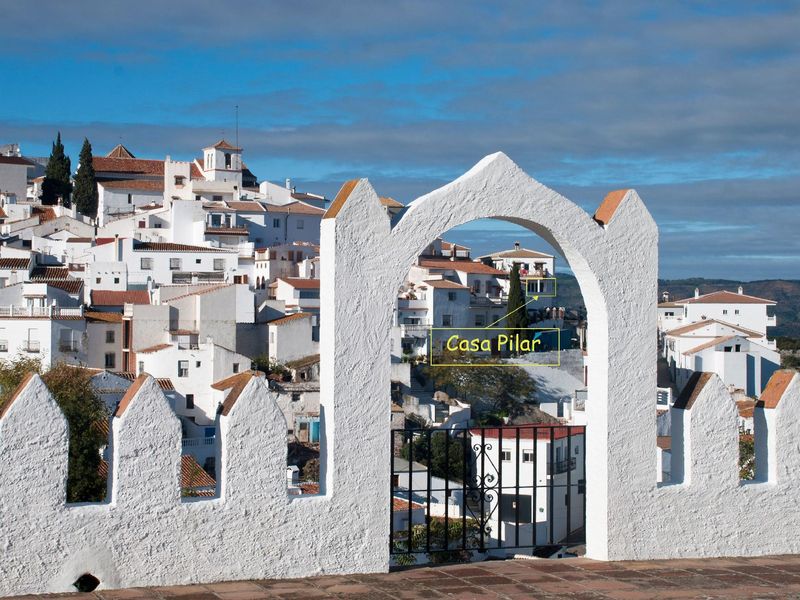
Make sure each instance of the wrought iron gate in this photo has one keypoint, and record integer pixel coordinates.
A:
(486, 490)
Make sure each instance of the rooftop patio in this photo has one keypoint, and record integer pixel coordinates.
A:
(767, 577)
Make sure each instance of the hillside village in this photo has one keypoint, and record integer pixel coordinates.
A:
(202, 276)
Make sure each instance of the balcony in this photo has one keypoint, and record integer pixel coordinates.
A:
(68, 346)
(411, 304)
(31, 346)
(481, 301)
(415, 330)
(772, 321)
(40, 311)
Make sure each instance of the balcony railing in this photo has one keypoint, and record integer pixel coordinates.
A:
(68, 346)
(31, 346)
(40, 311)
(197, 442)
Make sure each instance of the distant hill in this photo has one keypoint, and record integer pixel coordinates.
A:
(786, 292)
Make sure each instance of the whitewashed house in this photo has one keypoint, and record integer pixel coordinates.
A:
(290, 338)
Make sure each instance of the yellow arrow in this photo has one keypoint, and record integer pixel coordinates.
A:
(535, 297)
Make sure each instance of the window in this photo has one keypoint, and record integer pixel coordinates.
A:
(227, 160)
(738, 348)
(728, 348)
(527, 456)
(174, 264)
(189, 401)
(447, 320)
(273, 255)
(505, 455)
(291, 255)
(179, 179)
(271, 337)
(197, 261)
(146, 264)
(736, 312)
(295, 396)
(111, 360)
(235, 367)
(130, 198)
(217, 198)
(451, 296)
(197, 364)
(197, 196)
(116, 279)
(141, 367)
(577, 450)
(183, 368)
(476, 287)
(724, 311)
(109, 336)
(480, 321)
(219, 264)
(669, 314)
(300, 223)
(276, 223)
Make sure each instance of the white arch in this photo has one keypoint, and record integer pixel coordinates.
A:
(614, 257)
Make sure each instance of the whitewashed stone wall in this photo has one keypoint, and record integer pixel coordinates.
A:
(147, 535)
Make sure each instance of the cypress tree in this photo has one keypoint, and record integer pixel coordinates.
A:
(85, 192)
(517, 315)
(57, 175)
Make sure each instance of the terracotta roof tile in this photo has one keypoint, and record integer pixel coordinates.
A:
(289, 318)
(119, 297)
(245, 205)
(128, 397)
(390, 202)
(338, 202)
(105, 317)
(776, 386)
(297, 208)
(45, 213)
(679, 331)
(15, 160)
(605, 212)
(717, 340)
(193, 475)
(171, 247)
(692, 390)
(236, 390)
(22, 385)
(14, 263)
(153, 349)
(224, 144)
(301, 283)
(119, 151)
(132, 166)
(726, 297)
(71, 286)
(465, 266)
(49, 273)
(151, 185)
(444, 284)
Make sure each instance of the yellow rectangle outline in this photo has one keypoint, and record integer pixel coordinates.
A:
(555, 286)
(430, 346)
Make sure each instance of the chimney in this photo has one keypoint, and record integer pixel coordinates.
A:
(665, 296)
(288, 183)
(118, 247)
(516, 245)
(741, 290)
(696, 292)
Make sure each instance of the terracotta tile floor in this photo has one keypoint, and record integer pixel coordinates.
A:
(767, 577)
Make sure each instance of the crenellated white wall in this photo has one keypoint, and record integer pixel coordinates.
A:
(147, 535)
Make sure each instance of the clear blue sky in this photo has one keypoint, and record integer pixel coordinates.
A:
(696, 107)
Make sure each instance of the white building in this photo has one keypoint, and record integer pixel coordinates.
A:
(14, 177)
(290, 338)
(743, 358)
(550, 492)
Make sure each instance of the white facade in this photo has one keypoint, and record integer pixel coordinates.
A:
(14, 176)
(290, 338)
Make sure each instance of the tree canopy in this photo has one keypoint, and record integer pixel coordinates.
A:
(85, 193)
(517, 312)
(85, 412)
(57, 175)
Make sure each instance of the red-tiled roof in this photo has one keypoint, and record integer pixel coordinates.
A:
(224, 144)
(151, 185)
(237, 388)
(119, 151)
(193, 475)
(390, 202)
(170, 247)
(338, 202)
(153, 349)
(726, 297)
(49, 273)
(519, 253)
(14, 263)
(71, 286)
(710, 344)
(205, 290)
(678, 331)
(605, 212)
(15, 160)
(444, 284)
(289, 318)
(245, 205)
(296, 208)
(232, 380)
(133, 166)
(128, 397)
(400, 504)
(776, 386)
(300, 283)
(465, 266)
(105, 317)
(119, 297)
(238, 231)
